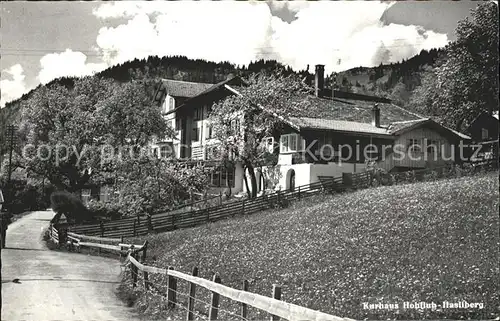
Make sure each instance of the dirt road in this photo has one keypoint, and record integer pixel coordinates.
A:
(55, 285)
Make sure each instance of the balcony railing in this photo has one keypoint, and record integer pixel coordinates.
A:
(197, 152)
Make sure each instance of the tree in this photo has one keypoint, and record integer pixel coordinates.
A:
(467, 82)
(422, 98)
(70, 132)
(262, 108)
(149, 184)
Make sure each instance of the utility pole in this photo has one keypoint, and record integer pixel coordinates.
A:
(11, 129)
(10, 133)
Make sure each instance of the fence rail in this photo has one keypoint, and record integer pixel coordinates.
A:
(54, 234)
(75, 242)
(137, 226)
(272, 305)
(135, 261)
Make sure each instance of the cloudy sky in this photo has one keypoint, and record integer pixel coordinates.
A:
(45, 40)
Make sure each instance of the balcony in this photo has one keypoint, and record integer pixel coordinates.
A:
(197, 153)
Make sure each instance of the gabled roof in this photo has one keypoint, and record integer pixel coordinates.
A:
(394, 129)
(482, 115)
(178, 88)
(338, 125)
(236, 80)
(186, 89)
(400, 126)
(352, 110)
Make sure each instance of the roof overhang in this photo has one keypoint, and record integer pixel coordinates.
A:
(352, 133)
(440, 128)
(223, 85)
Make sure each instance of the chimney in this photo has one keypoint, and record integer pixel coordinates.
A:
(319, 80)
(376, 116)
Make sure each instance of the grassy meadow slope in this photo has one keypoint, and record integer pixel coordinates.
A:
(430, 241)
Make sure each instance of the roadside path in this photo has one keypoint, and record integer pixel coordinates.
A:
(56, 285)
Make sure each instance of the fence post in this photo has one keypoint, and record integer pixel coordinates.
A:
(101, 226)
(299, 192)
(244, 308)
(144, 249)
(220, 197)
(134, 229)
(172, 289)
(277, 296)
(150, 224)
(145, 274)
(134, 268)
(214, 306)
(347, 180)
(192, 293)
(121, 247)
(243, 207)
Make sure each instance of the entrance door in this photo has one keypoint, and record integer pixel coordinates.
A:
(292, 181)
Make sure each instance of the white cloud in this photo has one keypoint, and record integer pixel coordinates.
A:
(66, 64)
(213, 31)
(323, 32)
(14, 88)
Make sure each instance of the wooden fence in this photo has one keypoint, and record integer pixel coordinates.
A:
(75, 242)
(137, 226)
(136, 257)
(271, 305)
(53, 234)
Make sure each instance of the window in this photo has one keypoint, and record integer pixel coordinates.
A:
(171, 103)
(432, 146)
(235, 126)
(166, 151)
(268, 144)
(198, 113)
(222, 177)
(291, 143)
(211, 152)
(215, 178)
(209, 131)
(86, 195)
(104, 193)
(168, 104)
(230, 177)
(178, 124)
(196, 134)
(414, 145)
(484, 133)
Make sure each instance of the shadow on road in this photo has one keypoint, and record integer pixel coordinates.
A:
(23, 249)
(60, 280)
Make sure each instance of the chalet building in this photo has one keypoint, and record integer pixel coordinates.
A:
(186, 105)
(310, 144)
(483, 131)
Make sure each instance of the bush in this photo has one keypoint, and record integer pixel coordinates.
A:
(107, 210)
(71, 206)
(27, 195)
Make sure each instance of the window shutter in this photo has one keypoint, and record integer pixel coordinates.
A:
(283, 143)
(293, 142)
